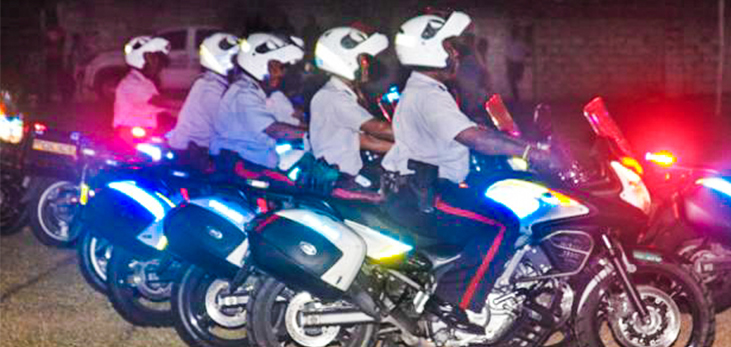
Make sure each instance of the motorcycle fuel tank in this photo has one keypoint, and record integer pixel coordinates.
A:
(308, 249)
(209, 232)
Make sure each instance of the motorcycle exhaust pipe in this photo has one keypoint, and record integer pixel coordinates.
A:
(335, 318)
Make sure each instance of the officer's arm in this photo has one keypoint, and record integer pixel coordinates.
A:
(160, 101)
(378, 129)
(284, 131)
(491, 142)
(368, 142)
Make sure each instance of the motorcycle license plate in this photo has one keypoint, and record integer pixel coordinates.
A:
(54, 147)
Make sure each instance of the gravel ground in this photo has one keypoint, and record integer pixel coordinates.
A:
(44, 301)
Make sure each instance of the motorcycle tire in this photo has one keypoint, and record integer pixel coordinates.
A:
(268, 329)
(13, 211)
(52, 210)
(94, 255)
(199, 319)
(133, 295)
(654, 281)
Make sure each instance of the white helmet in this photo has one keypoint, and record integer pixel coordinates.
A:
(337, 50)
(135, 49)
(258, 49)
(419, 41)
(216, 52)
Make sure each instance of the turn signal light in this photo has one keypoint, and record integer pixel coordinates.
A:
(662, 158)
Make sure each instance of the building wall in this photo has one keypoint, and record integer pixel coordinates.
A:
(622, 49)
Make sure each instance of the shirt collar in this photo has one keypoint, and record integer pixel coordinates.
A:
(218, 78)
(340, 85)
(139, 75)
(422, 78)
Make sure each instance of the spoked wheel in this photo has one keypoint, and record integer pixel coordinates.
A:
(140, 288)
(13, 212)
(680, 311)
(94, 255)
(208, 313)
(53, 211)
(275, 313)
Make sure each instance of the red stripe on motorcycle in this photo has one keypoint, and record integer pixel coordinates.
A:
(449, 209)
(467, 297)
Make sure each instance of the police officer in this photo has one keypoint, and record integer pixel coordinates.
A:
(431, 157)
(340, 126)
(192, 134)
(137, 102)
(244, 126)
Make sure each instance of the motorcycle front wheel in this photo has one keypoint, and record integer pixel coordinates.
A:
(680, 310)
(274, 313)
(208, 313)
(52, 211)
(139, 288)
(94, 255)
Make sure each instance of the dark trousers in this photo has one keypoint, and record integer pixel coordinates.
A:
(486, 230)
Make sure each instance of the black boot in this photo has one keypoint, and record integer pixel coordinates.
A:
(453, 315)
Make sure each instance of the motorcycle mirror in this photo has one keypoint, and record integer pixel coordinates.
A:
(500, 116)
(542, 116)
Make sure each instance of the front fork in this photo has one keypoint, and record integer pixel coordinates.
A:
(618, 258)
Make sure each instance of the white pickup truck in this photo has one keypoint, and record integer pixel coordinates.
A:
(101, 75)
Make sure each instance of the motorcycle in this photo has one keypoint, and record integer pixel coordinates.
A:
(13, 212)
(338, 274)
(122, 250)
(691, 220)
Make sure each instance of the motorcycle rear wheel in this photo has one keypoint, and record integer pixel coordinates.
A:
(673, 296)
(267, 316)
(133, 294)
(199, 318)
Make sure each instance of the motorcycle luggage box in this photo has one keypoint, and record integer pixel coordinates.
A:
(125, 221)
(209, 232)
(308, 250)
(52, 152)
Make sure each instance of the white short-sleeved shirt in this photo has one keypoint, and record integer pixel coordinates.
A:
(195, 121)
(282, 109)
(425, 125)
(132, 106)
(335, 121)
(242, 118)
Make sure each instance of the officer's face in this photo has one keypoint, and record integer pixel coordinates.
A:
(454, 58)
(277, 71)
(154, 63)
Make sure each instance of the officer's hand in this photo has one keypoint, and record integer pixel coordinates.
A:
(551, 160)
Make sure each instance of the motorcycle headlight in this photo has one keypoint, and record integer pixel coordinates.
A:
(11, 129)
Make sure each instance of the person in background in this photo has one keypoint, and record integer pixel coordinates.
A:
(192, 134)
(340, 125)
(137, 101)
(471, 82)
(515, 55)
(245, 128)
(429, 160)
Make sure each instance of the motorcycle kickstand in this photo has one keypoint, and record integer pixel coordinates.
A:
(615, 254)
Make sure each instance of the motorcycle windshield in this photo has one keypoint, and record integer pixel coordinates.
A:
(603, 124)
(500, 116)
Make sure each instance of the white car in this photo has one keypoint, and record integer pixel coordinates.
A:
(101, 75)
